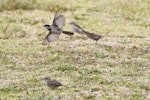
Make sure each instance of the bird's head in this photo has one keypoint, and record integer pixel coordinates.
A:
(47, 26)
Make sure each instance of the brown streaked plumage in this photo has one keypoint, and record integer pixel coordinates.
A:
(51, 83)
(93, 36)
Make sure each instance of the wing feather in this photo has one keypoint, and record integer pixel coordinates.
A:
(59, 20)
(50, 38)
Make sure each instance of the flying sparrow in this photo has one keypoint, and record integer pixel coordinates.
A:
(56, 28)
(78, 29)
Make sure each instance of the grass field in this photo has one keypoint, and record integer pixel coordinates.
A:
(116, 68)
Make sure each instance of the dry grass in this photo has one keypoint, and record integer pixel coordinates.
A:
(116, 68)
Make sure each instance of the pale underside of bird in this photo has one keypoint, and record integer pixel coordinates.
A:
(56, 29)
(76, 28)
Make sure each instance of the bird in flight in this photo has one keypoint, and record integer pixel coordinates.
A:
(76, 28)
(56, 28)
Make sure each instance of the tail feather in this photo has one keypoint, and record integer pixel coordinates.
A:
(68, 32)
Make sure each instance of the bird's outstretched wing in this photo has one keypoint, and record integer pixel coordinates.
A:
(50, 38)
(59, 20)
(76, 28)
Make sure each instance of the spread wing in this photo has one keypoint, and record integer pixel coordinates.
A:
(76, 25)
(59, 20)
(50, 38)
(77, 28)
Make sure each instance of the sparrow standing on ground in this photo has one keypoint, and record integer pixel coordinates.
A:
(78, 29)
(56, 28)
(51, 83)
